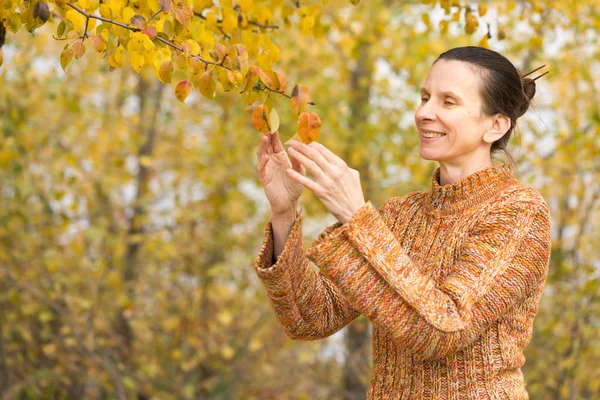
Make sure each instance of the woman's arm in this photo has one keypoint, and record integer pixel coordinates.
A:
(306, 303)
(504, 259)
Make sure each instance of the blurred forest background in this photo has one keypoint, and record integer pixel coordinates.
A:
(129, 221)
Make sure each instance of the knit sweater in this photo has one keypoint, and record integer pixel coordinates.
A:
(451, 279)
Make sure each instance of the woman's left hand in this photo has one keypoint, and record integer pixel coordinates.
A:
(337, 185)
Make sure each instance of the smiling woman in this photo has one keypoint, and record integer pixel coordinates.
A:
(451, 278)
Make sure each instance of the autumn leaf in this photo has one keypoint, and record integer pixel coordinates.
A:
(300, 97)
(65, 57)
(139, 22)
(207, 85)
(98, 43)
(309, 127)
(260, 118)
(165, 71)
(274, 120)
(166, 6)
(251, 78)
(182, 90)
(41, 11)
(78, 49)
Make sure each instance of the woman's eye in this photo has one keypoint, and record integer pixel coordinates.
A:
(449, 103)
(423, 99)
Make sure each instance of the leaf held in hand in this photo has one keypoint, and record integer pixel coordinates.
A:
(260, 118)
(274, 120)
(309, 127)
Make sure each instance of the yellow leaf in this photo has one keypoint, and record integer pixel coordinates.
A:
(274, 119)
(265, 16)
(207, 85)
(251, 78)
(137, 60)
(482, 9)
(200, 5)
(65, 57)
(246, 5)
(182, 91)
(116, 59)
(230, 21)
(128, 13)
(309, 127)
(76, 18)
(166, 71)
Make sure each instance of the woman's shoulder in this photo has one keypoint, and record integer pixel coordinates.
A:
(524, 194)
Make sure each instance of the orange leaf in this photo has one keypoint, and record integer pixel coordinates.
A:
(260, 118)
(78, 49)
(300, 97)
(309, 127)
(166, 6)
(139, 22)
(183, 89)
(282, 83)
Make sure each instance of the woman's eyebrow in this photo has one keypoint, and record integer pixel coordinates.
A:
(450, 93)
(446, 93)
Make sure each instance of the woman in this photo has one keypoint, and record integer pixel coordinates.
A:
(450, 278)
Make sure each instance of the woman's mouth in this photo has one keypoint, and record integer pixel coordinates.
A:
(429, 137)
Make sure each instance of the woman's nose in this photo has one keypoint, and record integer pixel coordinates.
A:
(425, 112)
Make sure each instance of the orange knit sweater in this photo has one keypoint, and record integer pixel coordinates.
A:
(450, 278)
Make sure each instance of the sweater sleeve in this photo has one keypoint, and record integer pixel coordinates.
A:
(504, 258)
(306, 303)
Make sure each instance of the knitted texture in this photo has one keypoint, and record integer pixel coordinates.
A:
(450, 278)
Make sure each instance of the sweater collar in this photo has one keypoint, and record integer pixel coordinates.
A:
(471, 190)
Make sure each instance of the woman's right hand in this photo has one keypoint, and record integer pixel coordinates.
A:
(281, 190)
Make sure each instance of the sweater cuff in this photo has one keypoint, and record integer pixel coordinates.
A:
(333, 243)
(270, 273)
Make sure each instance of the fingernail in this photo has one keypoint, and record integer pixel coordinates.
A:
(291, 150)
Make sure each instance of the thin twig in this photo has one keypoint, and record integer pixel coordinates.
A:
(169, 43)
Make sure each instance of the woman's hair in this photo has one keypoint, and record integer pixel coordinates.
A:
(503, 90)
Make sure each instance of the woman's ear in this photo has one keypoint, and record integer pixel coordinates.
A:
(500, 125)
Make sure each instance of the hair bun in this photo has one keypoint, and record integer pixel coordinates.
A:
(529, 88)
(529, 92)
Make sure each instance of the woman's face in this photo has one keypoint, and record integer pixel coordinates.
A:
(451, 105)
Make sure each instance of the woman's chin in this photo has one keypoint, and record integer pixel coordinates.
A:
(427, 155)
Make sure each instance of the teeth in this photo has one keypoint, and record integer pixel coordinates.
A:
(432, 135)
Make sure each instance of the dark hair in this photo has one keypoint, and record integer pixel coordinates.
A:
(503, 90)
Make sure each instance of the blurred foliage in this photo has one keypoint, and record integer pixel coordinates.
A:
(129, 221)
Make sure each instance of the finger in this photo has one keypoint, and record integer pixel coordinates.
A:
(297, 166)
(276, 140)
(327, 154)
(314, 155)
(309, 183)
(269, 144)
(308, 163)
(261, 165)
(262, 147)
